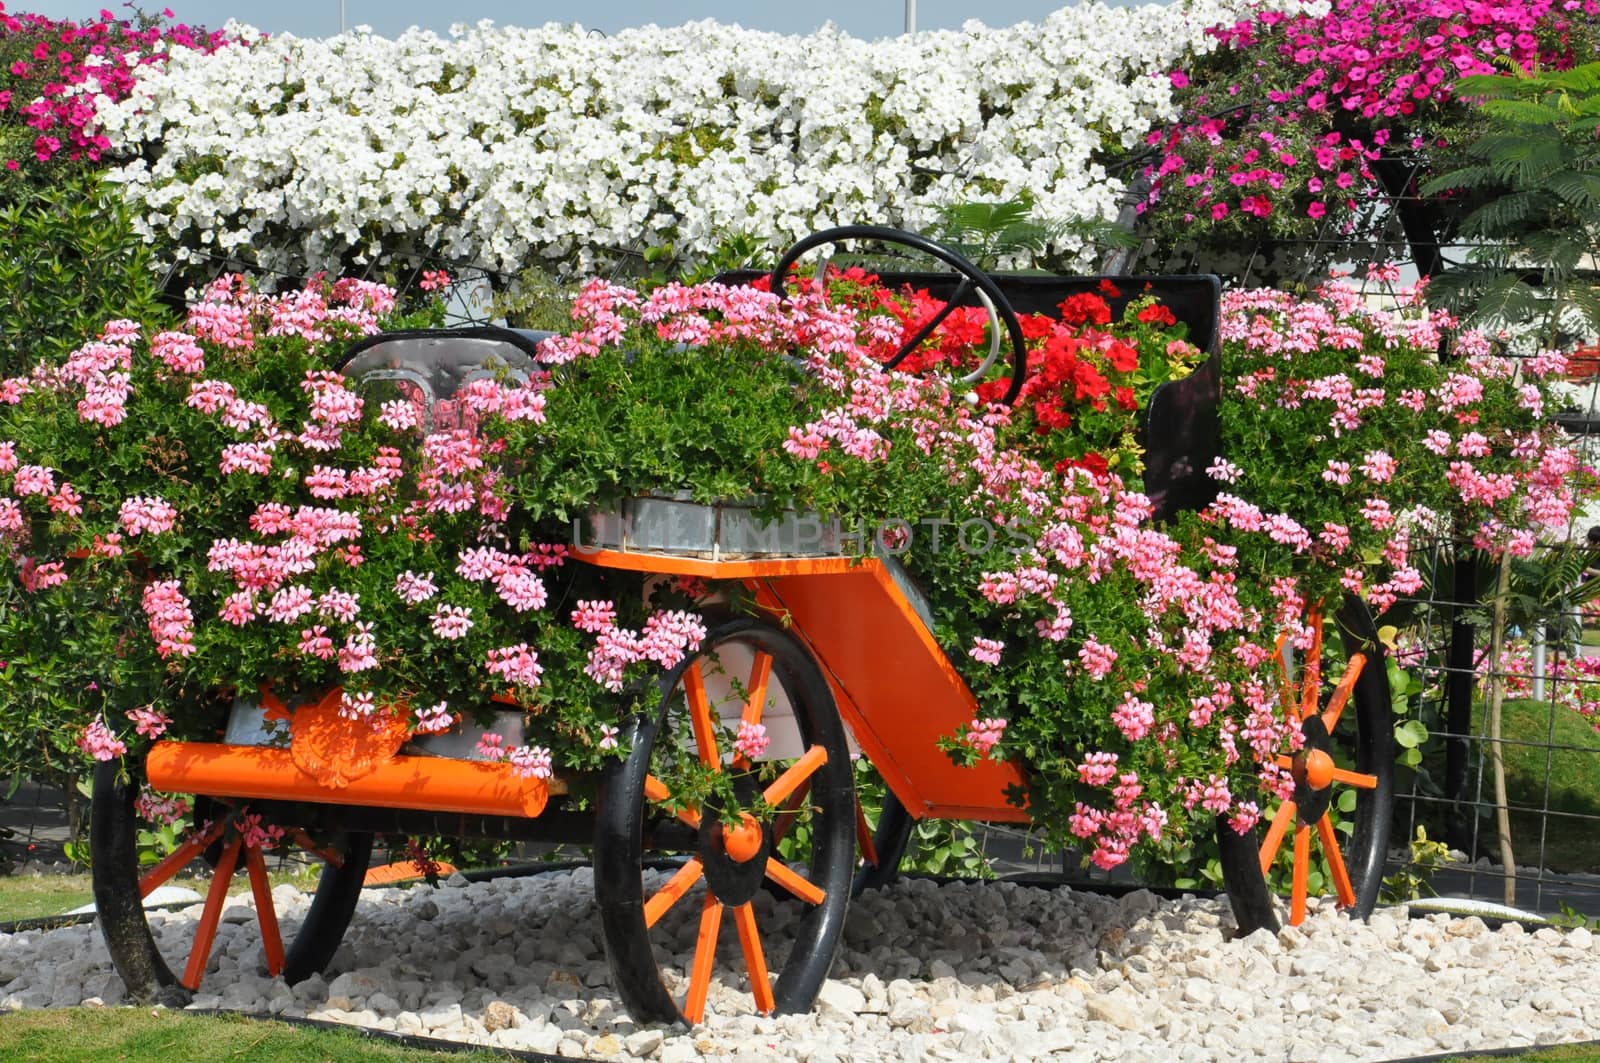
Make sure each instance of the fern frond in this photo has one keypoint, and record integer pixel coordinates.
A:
(1487, 87)
(1499, 215)
(1584, 78)
(1505, 300)
(1526, 112)
(1525, 162)
(1576, 187)
(1585, 299)
(1557, 251)
(1466, 177)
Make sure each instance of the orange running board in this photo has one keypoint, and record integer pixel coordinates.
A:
(433, 784)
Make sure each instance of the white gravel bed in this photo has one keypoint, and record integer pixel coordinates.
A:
(990, 971)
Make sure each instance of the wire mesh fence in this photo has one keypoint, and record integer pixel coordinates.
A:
(1524, 831)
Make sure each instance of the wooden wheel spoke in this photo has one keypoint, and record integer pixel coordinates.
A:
(755, 960)
(1286, 763)
(1280, 657)
(1280, 824)
(179, 858)
(756, 697)
(794, 882)
(1330, 849)
(705, 954)
(795, 774)
(1311, 682)
(266, 912)
(679, 884)
(756, 689)
(1302, 871)
(700, 717)
(1342, 692)
(657, 791)
(864, 840)
(211, 915)
(327, 853)
(789, 811)
(1355, 778)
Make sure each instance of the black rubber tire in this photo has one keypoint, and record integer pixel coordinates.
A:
(969, 273)
(1365, 850)
(623, 815)
(114, 855)
(890, 838)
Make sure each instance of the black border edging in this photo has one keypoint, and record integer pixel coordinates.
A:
(1051, 880)
(404, 1040)
(46, 922)
(1494, 1053)
(489, 874)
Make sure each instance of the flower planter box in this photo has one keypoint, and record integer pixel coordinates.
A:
(251, 723)
(1178, 428)
(730, 530)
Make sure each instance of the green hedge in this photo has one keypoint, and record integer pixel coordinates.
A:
(69, 261)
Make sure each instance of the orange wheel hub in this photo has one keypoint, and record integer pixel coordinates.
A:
(1319, 769)
(743, 841)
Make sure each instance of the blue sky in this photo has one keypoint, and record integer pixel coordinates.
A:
(320, 18)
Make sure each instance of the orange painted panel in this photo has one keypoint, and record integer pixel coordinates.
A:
(896, 689)
(429, 783)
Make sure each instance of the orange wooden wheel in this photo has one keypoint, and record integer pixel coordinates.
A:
(1343, 720)
(120, 887)
(726, 862)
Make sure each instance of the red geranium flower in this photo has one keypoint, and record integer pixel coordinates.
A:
(1085, 307)
(1156, 314)
(1123, 357)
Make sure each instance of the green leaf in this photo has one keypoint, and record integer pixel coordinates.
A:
(1410, 734)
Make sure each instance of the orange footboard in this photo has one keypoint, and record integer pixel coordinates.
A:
(265, 774)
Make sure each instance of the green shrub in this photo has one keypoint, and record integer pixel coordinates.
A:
(70, 261)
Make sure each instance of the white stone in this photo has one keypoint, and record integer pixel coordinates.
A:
(441, 1017)
(1164, 985)
(156, 898)
(1113, 1010)
(679, 1050)
(841, 998)
(643, 1043)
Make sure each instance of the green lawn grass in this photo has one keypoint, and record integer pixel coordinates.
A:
(1586, 1053)
(38, 896)
(1574, 783)
(138, 1035)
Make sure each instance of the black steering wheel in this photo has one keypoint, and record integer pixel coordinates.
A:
(971, 278)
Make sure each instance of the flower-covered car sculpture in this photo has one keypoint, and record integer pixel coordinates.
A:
(652, 585)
